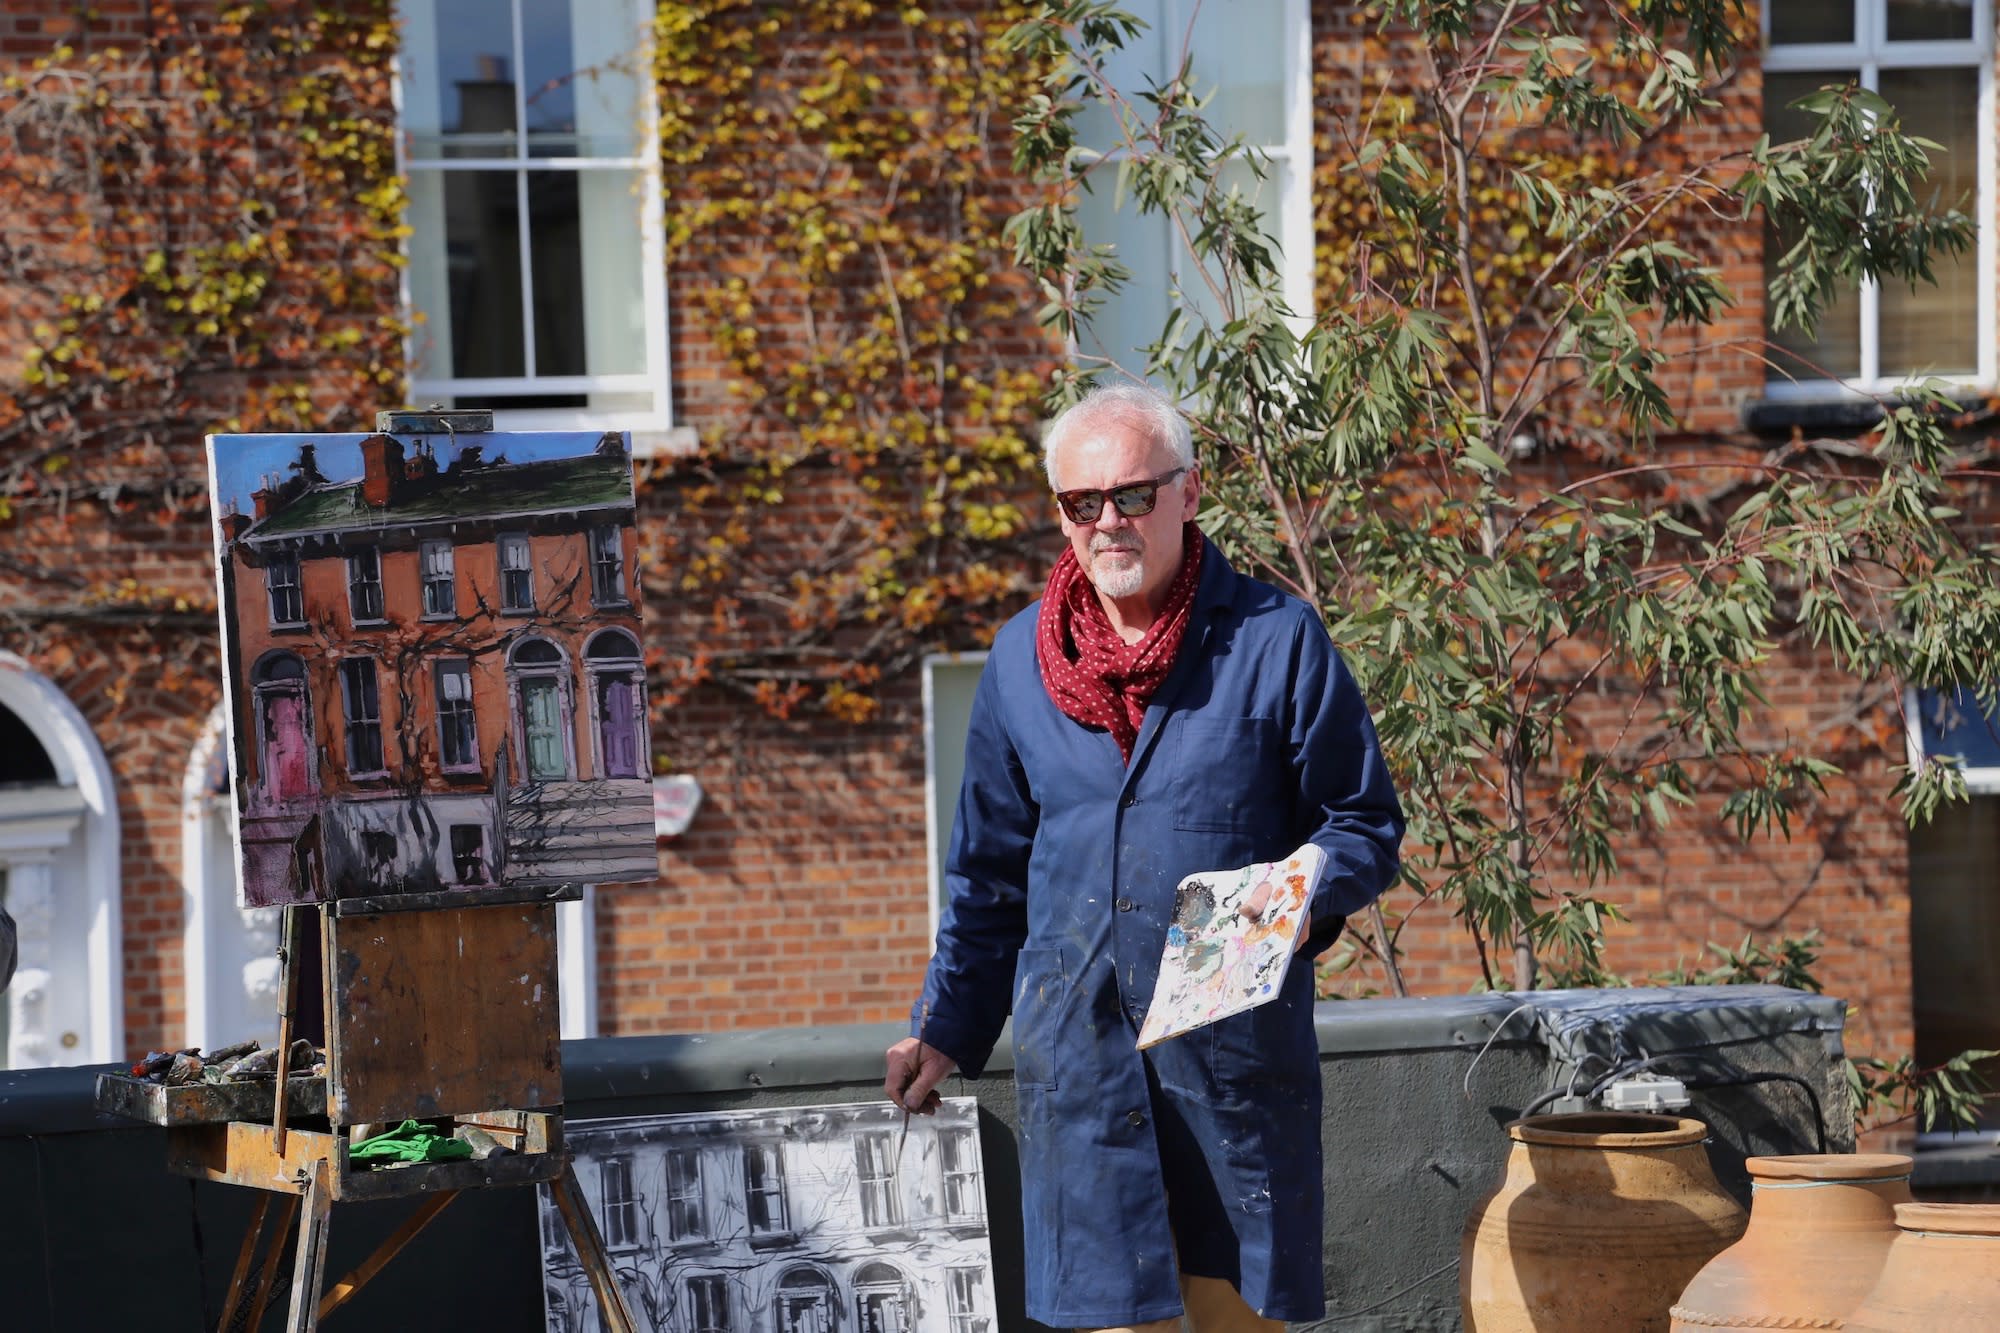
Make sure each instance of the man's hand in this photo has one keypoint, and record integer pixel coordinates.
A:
(1251, 909)
(915, 1070)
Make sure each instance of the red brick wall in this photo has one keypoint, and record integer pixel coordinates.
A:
(798, 896)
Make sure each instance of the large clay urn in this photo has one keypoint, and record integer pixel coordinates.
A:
(1820, 1228)
(1600, 1222)
(1942, 1274)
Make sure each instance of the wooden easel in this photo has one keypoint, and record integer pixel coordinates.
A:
(437, 1014)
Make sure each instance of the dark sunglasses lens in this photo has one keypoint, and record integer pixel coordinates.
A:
(1136, 500)
(1083, 506)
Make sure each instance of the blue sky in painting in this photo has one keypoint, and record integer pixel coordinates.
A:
(243, 461)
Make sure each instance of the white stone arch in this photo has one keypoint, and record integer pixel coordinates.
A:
(74, 827)
(230, 951)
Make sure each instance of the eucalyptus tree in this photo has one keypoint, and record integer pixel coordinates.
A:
(1566, 607)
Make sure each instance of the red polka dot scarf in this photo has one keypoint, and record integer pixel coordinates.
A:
(1093, 675)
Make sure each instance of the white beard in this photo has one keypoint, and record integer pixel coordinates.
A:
(1121, 578)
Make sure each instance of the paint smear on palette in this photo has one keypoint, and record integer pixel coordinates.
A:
(1217, 963)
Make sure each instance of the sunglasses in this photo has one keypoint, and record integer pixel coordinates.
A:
(1133, 500)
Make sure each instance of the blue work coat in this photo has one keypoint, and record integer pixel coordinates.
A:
(1202, 1154)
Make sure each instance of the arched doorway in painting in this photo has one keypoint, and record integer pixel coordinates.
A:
(538, 681)
(617, 704)
(882, 1300)
(805, 1302)
(284, 730)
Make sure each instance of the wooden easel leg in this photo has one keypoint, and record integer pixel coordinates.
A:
(269, 1273)
(244, 1257)
(343, 1291)
(310, 1266)
(589, 1244)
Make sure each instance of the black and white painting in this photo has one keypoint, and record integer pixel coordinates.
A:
(796, 1219)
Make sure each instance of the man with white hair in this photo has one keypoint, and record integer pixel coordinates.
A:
(1154, 715)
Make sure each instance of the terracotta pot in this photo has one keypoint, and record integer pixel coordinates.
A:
(1820, 1227)
(1942, 1273)
(1600, 1222)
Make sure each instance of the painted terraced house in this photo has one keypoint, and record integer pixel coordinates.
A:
(436, 676)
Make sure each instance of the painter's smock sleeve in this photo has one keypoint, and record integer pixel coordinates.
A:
(1345, 796)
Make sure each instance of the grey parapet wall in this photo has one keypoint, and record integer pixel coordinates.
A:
(94, 1234)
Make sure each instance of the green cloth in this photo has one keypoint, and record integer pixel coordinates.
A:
(411, 1141)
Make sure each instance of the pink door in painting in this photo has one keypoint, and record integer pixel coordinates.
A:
(281, 727)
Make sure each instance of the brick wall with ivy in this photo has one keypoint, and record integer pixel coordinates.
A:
(862, 365)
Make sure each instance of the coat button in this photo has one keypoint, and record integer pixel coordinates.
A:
(1124, 904)
(1136, 1119)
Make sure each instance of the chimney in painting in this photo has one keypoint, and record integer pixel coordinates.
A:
(261, 498)
(381, 469)
(234, 524)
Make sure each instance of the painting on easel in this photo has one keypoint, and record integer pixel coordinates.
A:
(432, 655)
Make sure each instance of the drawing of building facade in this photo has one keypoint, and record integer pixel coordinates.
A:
(820, 1219)
(435, 673)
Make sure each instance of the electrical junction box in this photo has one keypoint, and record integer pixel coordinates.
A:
(1646, 1092)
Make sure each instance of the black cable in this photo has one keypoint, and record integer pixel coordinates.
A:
(1730, 1078)
(1771, 1076)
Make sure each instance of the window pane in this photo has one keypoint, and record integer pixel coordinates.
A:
(458, 87)
(465, 278)
(1239, 52)
(584, 239)
(580, 60)
(1935, 329)
(1135, 316)
(1930, 20)
(1836, 351)
(1811, 21)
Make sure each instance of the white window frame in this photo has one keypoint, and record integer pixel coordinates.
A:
(503, 545)
(1294, 213)
(771, 1158)
(702, 1309)
(446, 576)
(942, 708)
(962, 1287)
(296, 589)
(960, 1177)
(624, 1213)
(461, 666)
(349, 717)
(684, 1191)
(358, 578)
(1867, 56)
(1978, 781)
(876, 1178)
(650, 429)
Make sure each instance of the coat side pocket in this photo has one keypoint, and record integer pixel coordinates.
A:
(1040, 989)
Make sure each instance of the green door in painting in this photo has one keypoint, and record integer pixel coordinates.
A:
(541, 706)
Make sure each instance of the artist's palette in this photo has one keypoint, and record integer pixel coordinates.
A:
(1217, 962)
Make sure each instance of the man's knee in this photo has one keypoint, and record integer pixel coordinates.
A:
(1215, 1306)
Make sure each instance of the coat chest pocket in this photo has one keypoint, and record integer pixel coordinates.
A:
(1040, 987)
(1230, 775)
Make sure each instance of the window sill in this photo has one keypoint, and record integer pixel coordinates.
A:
(517, 610)
(438, 617)
(290, 627)
(377, 623)
(1831, 408)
